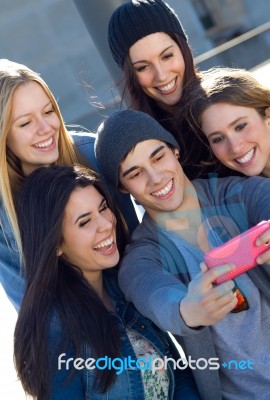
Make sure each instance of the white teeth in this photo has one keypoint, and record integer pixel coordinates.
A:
(247, 157)
(165, 190)
(167, 87)
(44, 144)
(105, 243)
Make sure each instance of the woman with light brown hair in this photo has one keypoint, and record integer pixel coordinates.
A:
(231, 109)
(32, 134)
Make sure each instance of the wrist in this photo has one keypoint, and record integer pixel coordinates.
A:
(186, 314)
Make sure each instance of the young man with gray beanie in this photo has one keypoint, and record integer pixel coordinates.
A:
(162, 271)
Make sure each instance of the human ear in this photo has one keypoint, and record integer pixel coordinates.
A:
(176, 153)
(122, 189)
(267, 112)
(59, 252)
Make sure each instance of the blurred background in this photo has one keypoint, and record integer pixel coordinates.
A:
(50, 37)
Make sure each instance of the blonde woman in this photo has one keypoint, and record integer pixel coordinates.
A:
(232, 110)
(32, 134)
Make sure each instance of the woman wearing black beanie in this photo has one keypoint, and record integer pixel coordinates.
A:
(149, 44)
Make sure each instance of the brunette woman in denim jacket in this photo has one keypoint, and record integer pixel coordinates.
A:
(32, 134)
(73, 317)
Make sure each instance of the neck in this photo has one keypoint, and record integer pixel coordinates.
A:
(186, 220)
(170, 109)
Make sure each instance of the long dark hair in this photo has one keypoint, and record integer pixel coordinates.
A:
(194, 149)
(54, 286)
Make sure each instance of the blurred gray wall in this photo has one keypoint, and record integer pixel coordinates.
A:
(50, 37)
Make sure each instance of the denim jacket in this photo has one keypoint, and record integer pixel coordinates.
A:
(11, 272)
(128, 384)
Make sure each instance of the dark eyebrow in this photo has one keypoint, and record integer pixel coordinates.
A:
(89, 213)
(163, 51)
(153, 154)
(230, 125)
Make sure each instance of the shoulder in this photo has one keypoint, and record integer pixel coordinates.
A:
(218, 189)
(85, 142)
(148, 232)
(149, 244)
(145, 235)
(6, 233)
(5, 225)
(83, 137)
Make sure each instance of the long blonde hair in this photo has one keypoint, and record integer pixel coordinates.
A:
(12, 75)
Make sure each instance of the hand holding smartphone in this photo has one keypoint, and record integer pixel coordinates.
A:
(241, 251)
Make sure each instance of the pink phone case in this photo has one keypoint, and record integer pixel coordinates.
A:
(241, 251)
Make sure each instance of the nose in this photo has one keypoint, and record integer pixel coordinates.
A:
(43, 127)
(236, 144)
(155, 176)
(160, 72)
(104, 222)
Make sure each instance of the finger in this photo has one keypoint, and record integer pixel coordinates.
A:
(203, 267)
(218, 292)
(223, 311)
(263, 239)
(218, 314)
(264, 258)
(212, 274)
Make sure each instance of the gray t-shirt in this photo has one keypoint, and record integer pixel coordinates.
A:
(241, 340)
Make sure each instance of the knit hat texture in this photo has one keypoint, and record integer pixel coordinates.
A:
(136, 19)
(119, 133)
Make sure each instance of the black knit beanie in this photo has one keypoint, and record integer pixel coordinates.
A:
(119, 133)
(136, 19)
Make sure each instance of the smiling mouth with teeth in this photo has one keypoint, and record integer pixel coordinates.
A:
(164, 191)
(45, 144)
(105, 245)
(246, 158)
(167, 88)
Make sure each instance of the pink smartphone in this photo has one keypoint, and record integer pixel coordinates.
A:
(241, 251)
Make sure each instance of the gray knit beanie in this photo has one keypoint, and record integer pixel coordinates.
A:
(119, 133)
(136, 19)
